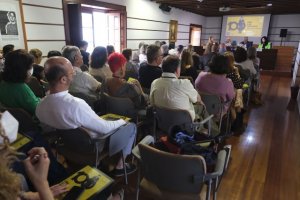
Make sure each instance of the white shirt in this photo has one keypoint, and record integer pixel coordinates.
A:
(248, 64)
(64, 111)
(84, 83)
(171, 92)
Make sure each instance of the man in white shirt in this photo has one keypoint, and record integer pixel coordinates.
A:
(82, 82)
(61, 110)
(171, 92)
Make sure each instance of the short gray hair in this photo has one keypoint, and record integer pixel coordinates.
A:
(69, 52)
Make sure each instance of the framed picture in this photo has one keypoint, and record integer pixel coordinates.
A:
(173, 31)
(11, 24)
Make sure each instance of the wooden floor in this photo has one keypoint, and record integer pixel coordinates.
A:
(265, 161)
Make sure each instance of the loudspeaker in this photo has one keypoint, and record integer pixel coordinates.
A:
(165, 7)
(283, 32)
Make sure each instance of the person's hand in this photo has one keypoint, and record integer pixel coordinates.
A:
(59, 189)
(37, 166)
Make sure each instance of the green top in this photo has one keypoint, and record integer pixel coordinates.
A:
(18, 95)
(268, 45)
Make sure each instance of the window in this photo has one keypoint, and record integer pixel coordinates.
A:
(195, 34)
(101, 28)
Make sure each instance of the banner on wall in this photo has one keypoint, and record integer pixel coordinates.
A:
(11, 24)
(241, 26)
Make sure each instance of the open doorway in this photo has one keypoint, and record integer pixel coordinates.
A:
(195, 34)
(98, 23)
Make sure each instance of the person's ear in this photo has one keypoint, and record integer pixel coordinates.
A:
(63, 79)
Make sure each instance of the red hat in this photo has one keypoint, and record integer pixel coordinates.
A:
(116, 61)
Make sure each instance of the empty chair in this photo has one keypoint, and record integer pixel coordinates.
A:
(216, 107)
(170, 176)
(165, 119)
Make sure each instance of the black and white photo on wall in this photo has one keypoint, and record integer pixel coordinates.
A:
(11, 29)
(8, 23)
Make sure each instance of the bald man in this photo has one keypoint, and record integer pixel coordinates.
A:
(61, 110)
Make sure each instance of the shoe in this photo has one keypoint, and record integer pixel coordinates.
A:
(130, 168)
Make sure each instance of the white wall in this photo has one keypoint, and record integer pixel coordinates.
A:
(44, 24)
(290, 22)
(212, 27)
(139, 28)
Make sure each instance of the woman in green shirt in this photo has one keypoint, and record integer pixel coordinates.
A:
(264, 43)
(14, 92)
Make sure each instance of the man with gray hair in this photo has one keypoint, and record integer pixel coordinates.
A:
(83, 82)
(61, 110)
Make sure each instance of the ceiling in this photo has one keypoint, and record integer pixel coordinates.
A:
(237, 7)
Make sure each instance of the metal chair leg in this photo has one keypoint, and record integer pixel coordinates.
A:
(138, 184)
(124, 167)
(208, 190)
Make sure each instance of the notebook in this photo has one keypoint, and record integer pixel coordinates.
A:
(21, 141)
(86, 183)
(114, 117)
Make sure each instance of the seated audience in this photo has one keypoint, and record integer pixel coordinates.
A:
(53, 53)
(157, 43)
(187, 67)
(196, 62)
(71, 112)
(14, 185)
(83, 45)
(83, 82)
(165, 50)
(222, 49)
(110, 49)
(241, 58)
(150, 71)
(132, 69)
(215, 81)
(252, 55)
(179, 50)
(99, 68)
(233, 72)
(171, 92)
(14, 92)
(38, 70)
(264, 43)
(7, 48)
(210, 51)
(37, 56)
(117, 86)
(135, 57)
(142, 55)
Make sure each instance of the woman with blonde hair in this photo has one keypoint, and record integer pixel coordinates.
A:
(187, 65)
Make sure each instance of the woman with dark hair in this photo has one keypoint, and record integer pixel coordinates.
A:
(215, 81)
(264, 43)
(110, 49)
(53, 53)
(241, 58)
(187, 65)
(98, 66)
(132, 70)
(14, 92)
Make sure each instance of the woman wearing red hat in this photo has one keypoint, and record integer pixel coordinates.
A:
(117, 86)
